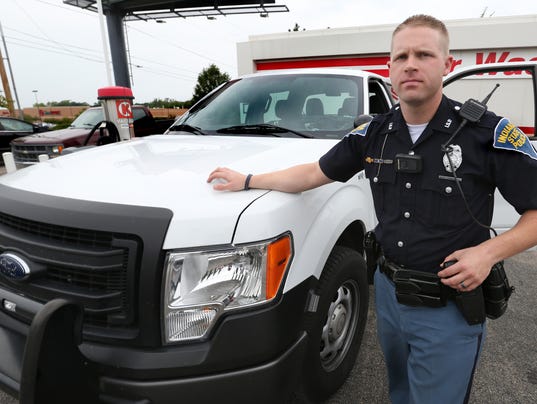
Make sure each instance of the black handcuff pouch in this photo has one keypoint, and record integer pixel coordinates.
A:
(417, 288)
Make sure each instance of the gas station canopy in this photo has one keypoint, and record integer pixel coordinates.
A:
(160, 9)
(119, 11)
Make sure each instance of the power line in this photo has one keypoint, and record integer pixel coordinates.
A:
(63, 43)
(51, 49)
(179, 47)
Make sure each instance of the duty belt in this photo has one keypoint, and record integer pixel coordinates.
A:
(416, 288)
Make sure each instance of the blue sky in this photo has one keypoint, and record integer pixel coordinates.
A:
(56, 49)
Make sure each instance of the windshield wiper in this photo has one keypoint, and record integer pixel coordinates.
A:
(187, 128)
(262, 128)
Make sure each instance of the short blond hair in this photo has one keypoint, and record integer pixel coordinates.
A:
(423, 20)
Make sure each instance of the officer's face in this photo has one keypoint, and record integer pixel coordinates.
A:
(419, 60)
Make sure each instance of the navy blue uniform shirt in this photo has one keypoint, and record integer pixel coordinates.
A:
(422, 216)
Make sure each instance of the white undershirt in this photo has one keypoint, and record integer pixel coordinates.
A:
(416, 130)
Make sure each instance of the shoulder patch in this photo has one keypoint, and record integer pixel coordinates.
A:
(360, 130)
(508, 137)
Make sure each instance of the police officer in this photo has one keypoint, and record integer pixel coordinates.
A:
(431, 353)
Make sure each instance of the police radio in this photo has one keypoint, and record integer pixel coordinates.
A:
(471, 111)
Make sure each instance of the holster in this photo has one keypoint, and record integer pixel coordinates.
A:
(373, 254)
(471, 305)
(372, 248)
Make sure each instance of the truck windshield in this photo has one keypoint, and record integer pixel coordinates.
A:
(88, 119)
(312, 105)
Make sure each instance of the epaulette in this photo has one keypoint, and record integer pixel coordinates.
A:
(508, 137)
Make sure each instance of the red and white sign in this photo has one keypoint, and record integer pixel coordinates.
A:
(378, 64)
(124, 110)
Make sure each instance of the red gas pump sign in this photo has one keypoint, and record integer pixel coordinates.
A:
(124, 110)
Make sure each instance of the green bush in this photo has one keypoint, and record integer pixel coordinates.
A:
(59, 123)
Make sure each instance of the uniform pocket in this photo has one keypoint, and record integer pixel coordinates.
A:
(442, 202)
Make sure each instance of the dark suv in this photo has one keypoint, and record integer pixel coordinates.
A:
(11, 128)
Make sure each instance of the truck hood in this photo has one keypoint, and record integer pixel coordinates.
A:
(169, 171)
(54, 137)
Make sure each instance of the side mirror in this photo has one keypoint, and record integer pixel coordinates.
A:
(361, 119)
(40, 128)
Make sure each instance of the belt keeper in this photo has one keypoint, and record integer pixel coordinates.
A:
(247, 182)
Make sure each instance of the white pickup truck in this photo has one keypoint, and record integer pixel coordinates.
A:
(124, 278)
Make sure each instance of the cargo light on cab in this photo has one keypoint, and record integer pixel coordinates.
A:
(199, 286)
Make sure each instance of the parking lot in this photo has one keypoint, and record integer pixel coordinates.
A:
(508, 369)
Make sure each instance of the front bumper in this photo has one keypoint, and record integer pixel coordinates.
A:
(253, 356)
(270, 382)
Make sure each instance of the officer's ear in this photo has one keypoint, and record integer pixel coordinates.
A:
(448, 63)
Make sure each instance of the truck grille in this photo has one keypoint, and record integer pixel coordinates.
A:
(29, 154)
(96, 269)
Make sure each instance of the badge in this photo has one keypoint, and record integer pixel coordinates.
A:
(508, 137)
(455, 155)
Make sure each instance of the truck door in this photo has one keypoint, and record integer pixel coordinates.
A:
(515, 98)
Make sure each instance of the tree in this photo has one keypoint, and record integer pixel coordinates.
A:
(165, 103)
(3, 102)
(66, 103)
(208, 79)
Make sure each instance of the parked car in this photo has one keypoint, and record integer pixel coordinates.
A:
(12, 128)
(27, 150)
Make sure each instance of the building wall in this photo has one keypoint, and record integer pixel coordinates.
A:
(473, 41)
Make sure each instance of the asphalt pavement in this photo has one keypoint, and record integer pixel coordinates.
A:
(507, 372)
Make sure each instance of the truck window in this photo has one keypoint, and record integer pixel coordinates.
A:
(14, 125)
(88, 118)
(378, 103)
(138, 113)
(314, 103)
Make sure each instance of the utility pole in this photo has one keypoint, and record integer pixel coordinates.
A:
(5, 83)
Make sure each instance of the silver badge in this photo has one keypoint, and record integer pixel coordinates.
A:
(455, 155)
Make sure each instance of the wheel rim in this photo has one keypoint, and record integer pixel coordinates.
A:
(340, 326)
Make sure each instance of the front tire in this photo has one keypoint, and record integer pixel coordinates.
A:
(338, 325)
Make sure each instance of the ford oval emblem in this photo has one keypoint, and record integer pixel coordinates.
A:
(13, 267)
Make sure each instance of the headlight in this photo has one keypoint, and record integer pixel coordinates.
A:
(57, 149)
(200, 286)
